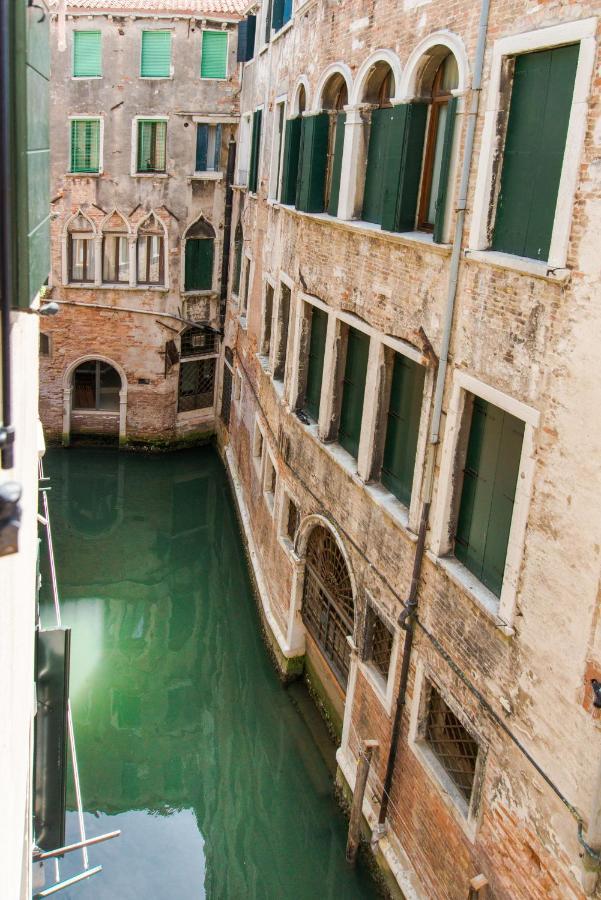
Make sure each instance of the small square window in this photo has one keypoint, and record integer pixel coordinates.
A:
(451, 743)
(377, 645)
(258, 442)
(44, 344)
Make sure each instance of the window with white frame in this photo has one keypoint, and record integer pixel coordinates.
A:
(258, 446)
(246, 279)
(86, 149)
(289, 519)
(269, 481)
(150, 252)
(208, 147)
(80, 250)
(265, 345)
(277, 149)
(378, 639)
(244, 150)
(150, 146)
(283, 327)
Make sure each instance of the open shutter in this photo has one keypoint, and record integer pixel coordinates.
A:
(353, 390)
(156, 54)
(85, 141)
(404, 412)
(404, 152)
(317, 347)
(445, 167)
(144, 146)
(199, 264)
(213, 63)
(313, 162)
(374, 174)
(291, 152)
(541, 102)
(217, 155)
(246, 39)
(277, 18)
(202, 144)
(337, 164)
(255, 147)
(87, 58)
(287, 11)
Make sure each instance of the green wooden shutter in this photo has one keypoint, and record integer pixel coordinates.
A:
(213, 62)
(291, 154)
(374, 174)
(312, 163)
(202, 144)
(317, 348)
(277, 18)
(85, 145)
(87, 54)
(541, 102)
(246, 39)
(156, 54)
(199, 264)
(488, 493)
(353, 390)
(402, 166)
(445, 167)
(255, 149)
(337, 164)
(402, 429)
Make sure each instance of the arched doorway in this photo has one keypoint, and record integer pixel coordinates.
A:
(94, 398)
(328, 608)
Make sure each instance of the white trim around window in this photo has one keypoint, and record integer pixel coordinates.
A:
(134, 147)
(501, 609)
(97, 118)
(277, 152)
(583, 32)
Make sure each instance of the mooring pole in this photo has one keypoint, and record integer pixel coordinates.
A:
(354, 828)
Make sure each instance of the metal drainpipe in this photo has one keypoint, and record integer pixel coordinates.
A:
(406, 619)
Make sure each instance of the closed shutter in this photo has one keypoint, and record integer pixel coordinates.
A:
(402, 428)
(156, 54)
(255, 147)
(199, 264)
(312, 163)
(287, 11)
(85, 145)
(87, 54)
(337, 164)
(488, 493)
(213, 62)
(317, 347)
(445, 168)
(202, 144)
(277, 18)
(151, 146)
(541, 102)
(291, 155)
(246, 39)
(353, 390)
(372, 196)
(402, 165)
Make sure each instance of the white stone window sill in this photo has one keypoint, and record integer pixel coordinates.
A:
(287, 546)
(243, 322)
(83, 285)
(156, 77)
(283, 30)
(149, 175)
(263, 49)
(304, 7)
(201, 415)
(206, 176)
(453, 798)
(377, 684)
(264, 363)
(160, 288)
(269, 500)
(86, 77)
(84, 174)
(535, 267)
(484, 599)
(240, 187)
(391, 505)
(207, 292)
(97, 412)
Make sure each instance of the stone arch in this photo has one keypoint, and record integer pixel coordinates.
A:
(149, 225)
(301, 85)
(429, 53)
(199, 228)
(334, 69)
(78, 222)
(383, 58)
(149, 221)
(68, 390)
(198, 255)
(115, 221)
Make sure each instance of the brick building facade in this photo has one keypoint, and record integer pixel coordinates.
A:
(375, 472)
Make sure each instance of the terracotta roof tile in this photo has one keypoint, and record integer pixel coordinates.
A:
(234, 8)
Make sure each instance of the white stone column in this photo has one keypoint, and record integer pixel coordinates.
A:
(350, 695)
(131, 243)
(122, 415)
(67, 415)
(376, 370)
(354, 154)
(329, 400)
(295, 632)
(97, 260)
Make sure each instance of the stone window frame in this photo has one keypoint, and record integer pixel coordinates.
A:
(501, 610)
(66, 251)
(246, 283)
(166, 280)
(206, 27)
(373, 422)
(582, 32)
(277, 158)
(269, 496)
(206, 292)
(48, 338)
(164, 26)
(258, 450)
(265, 358)
(282, 386)
(285, 497)
(99, 117)
(133, 169)
(468, 816)
(244, 145)
(382, 688)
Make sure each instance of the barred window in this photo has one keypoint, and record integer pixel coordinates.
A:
(377, 644)
(196, 384)
(198, 342)
(452, 744)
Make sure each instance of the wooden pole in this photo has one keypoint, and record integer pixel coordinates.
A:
(354, 828)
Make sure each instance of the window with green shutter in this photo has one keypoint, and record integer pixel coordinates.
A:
(279, 369)
(156, 54)
(539, 112)
(335, 168)
(488, 493)
(291, 152)
(238, 245)
(353, 390)
(87, 54)
(152, 139)
(402, 427)
(313, 160)
(213, 61)
(255, 151)
(208, 147)
(85, 145)
(199, 264)
(317, 348)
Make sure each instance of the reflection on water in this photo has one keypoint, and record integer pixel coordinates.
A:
(186, 740)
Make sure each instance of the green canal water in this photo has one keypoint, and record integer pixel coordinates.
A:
(219, 778)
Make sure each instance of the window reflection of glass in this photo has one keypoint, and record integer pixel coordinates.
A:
(445, 81)
(150, 259)
(82, 259)
(116, 259)
(96, 386)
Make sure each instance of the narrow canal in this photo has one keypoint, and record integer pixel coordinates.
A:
(219, 778)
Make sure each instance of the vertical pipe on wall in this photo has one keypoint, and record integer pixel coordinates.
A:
(7, 226)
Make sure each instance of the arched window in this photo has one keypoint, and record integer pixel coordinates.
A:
(378, 90)
(439, 137)
(96, 385)
(238, 245)
(199, 250)
(115, 250)
(151, 252)
(290, 165)
(328, 608)
(80, 249)
(335, 98)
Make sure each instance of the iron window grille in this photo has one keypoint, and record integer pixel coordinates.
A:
(196, 384)
(451, 743)
(197, 342)
(377, 642)
(328, 608)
